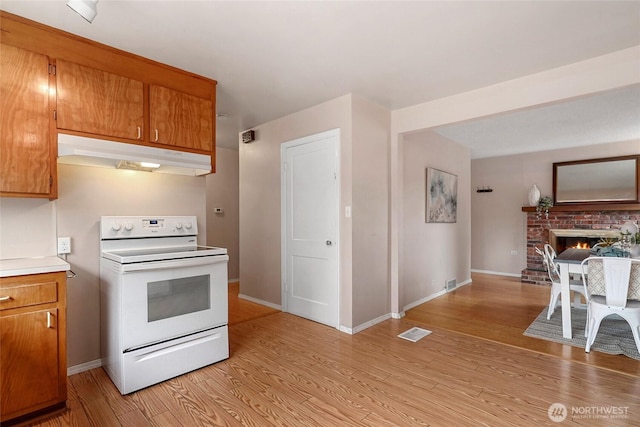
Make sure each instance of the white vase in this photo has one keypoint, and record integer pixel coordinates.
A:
(534, 196)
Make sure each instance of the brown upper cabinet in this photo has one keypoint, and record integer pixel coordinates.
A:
(105, 104)
(97, 102)
(92, 90)
(180, 119)
(27, 158)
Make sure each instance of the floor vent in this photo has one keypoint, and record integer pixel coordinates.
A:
(450, 284)
(414, 334)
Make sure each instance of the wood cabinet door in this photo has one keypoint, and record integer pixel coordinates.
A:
(29, 373)
(25, 143)
(180, 119)
(97, 102)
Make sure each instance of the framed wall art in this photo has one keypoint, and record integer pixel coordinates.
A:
(442, 196)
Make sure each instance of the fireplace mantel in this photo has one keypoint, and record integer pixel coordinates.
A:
(589, 207)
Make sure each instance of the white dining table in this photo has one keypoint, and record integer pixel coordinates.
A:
(569, 262)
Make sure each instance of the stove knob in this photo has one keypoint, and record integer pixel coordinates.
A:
(179, 226)
(128, 226)
(188, 226)
(115, 226)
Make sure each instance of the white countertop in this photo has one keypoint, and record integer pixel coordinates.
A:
(37, 265)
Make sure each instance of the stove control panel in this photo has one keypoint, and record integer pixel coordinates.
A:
(122, 227)
(155, 223)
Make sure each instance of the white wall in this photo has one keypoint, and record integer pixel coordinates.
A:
(432, 253)
(87, 193)
(364, 135)
(27, 228)
(498, 224)
(222, 192)
(370, 172)
(260, 276)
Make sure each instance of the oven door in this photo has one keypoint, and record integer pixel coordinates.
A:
(164, 300)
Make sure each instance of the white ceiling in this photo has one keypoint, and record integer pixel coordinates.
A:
(273, 58)
(598, 119)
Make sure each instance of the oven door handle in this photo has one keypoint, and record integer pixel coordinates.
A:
(174, 263)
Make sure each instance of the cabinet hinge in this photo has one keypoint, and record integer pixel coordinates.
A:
(52, 69)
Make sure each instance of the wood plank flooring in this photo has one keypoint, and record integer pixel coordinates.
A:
(500, 308)
(287, 371)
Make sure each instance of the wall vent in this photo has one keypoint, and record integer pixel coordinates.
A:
(450, 284)
(248, 136)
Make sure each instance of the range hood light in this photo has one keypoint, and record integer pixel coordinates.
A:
(150, 165)
(137, 166)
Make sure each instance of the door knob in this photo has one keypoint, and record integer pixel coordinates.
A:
(329, 242)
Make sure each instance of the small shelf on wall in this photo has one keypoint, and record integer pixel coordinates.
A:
(589, 207)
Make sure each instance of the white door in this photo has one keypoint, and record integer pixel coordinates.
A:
(310, 212)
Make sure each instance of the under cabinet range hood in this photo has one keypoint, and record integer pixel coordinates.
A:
(78, 150)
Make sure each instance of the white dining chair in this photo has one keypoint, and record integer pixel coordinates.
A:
(608, 291)
(548, 257)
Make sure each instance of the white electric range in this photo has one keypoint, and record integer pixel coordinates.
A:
(164, 302)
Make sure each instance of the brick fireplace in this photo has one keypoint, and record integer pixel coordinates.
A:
(587, 225)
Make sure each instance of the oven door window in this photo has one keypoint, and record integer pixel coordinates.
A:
(177, 297)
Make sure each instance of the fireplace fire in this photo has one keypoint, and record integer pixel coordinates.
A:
(579, 238)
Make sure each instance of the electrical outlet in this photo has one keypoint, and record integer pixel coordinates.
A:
(514, 252)
(64, 245)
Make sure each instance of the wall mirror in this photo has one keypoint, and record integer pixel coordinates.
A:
(608, 180)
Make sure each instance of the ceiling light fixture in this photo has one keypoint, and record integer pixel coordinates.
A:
(88, 9)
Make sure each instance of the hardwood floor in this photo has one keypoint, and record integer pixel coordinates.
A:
(500, 308)
(241, 310)
(288, 371)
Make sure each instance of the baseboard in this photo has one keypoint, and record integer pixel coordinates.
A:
(465, 283)
(345, 329)
(400, 315)
(365, 325)
(423, 300)
(76, 369)
(497, 273)
(261, 302)
(432, 296)
(371, 323)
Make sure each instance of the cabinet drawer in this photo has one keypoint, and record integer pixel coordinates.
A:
(13, 295)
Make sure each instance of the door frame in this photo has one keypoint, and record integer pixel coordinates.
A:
(283, 214)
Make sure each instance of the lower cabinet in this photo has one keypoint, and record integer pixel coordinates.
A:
(33, 368)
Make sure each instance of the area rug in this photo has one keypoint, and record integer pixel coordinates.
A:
(614, 335)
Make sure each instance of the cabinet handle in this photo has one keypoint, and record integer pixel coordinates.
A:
(156, 140)
(139, 132)
(49, 320)
(7, 298)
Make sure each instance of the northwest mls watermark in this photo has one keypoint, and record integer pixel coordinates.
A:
(558, 412)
